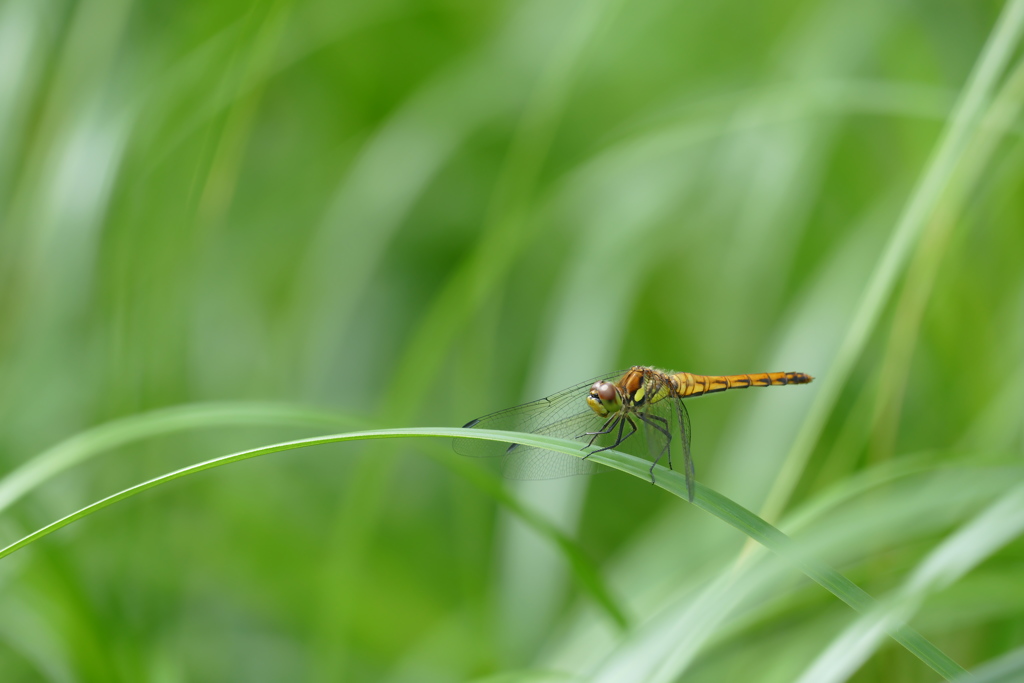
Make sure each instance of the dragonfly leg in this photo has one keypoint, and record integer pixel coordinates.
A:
(621, 423)
(619, 437)
(652, 420)
(611, 422)
(668, 436)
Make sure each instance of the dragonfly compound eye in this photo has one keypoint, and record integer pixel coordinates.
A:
(603, 399)
(606, 391)
(595, 402)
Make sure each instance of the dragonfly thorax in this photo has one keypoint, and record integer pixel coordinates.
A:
(604, 399)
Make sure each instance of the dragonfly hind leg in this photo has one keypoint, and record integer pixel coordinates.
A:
(663, 428)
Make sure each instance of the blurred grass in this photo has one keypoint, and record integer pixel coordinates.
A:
(708, 500)
(417, 213)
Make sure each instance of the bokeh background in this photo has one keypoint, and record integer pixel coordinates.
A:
(228, 224)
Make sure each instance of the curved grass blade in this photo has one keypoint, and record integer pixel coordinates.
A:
(974, 542)
(91, 442)
(707, 499)
(87, 444)
(959, 132)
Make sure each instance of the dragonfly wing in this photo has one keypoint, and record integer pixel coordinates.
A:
(564, 415)
(658, 425)
(539, 463)
(683, 418)
(661, 421)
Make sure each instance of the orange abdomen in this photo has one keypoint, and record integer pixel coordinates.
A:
(695, 385)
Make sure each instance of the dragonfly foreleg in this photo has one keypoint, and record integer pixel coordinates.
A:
(652, 421)
(619, 437)
(610, 423)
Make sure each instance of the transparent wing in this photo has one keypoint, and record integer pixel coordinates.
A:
(564, 415)
(683, 418)
(658, 420)
(661, 422)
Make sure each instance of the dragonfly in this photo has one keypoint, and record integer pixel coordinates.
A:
(608, 412)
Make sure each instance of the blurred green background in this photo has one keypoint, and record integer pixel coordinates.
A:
(286, 213)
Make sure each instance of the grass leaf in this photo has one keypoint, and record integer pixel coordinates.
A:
(706, 499)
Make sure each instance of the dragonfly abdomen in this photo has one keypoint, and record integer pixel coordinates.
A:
(695, 385)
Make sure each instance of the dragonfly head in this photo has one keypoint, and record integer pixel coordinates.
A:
(604, 399)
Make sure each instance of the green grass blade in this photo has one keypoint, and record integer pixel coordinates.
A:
(1005, 669)
(975, 542)
(964, 122)
(86, 444)
(92, 442)
(529, 677)
(706, 499)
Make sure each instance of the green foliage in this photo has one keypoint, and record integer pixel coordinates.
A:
(214, 215)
